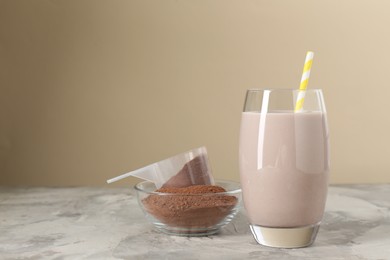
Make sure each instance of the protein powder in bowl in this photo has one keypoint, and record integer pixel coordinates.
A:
(195, 210)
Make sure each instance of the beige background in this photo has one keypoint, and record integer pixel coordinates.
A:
(92, 89)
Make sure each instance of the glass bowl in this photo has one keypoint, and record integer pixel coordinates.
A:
(186, 214)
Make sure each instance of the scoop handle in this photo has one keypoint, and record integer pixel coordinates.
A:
(147, 173)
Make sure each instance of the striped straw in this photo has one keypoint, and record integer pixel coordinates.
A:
(304, 81)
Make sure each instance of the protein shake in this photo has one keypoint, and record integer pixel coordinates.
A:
(284, 180)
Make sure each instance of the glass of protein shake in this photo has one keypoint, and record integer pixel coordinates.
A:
(284, 165)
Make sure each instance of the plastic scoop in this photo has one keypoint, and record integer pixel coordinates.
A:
(182, 170)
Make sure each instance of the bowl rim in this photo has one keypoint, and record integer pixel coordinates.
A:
(231, 192)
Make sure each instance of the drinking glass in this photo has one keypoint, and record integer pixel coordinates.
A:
(284, 165)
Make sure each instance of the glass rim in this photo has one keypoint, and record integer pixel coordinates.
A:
(282, 89)
(238, 190)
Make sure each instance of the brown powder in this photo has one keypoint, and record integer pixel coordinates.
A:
(188, 208)
(194, 172)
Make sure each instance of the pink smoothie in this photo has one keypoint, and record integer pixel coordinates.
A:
(284, 180)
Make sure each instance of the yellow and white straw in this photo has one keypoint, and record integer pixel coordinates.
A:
(304, 81)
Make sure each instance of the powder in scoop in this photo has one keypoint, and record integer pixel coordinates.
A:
(194, 172)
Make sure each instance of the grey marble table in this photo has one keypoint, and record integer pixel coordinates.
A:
(106, 223)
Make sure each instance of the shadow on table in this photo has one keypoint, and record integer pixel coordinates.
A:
(238, 226)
